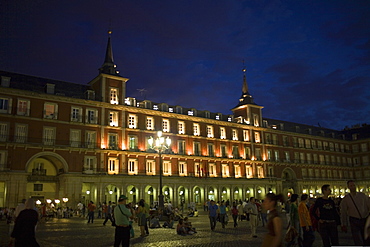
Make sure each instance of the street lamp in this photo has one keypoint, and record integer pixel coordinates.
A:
(161, 144)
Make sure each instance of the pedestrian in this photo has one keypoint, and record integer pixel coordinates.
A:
(24, 229)
(252, 210)
(235, 213)
(222, 209)
(19, 208)
(212, 213)
(141, 215)
(263, 215)
(122, 217)
(356, 207)
(91, 208)
(274, 224)
(147, 215)
(240, 211)
(294, 218)
(328, 219)
(108, 214)
(305, 222)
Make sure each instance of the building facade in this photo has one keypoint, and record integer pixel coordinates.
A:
(92, 142)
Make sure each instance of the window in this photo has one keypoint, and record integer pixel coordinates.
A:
(38, 187)
(132, 121)
(90, 139)
(247, 153)
(257, 138)
(3, 156)
(50, 111)
(90, 164)
(113, 166)
(20, 133)
(114, 96)
(212, 170)
(301, 157)
(235, 134)
(225, 170)
(196, 129)
(363, 147)
(3, 132)
(49, 135)
(166, 125)
(155, 107)
(260, 172)
(269, 154)
(23, 108)
(236, 154)
(197, 148)
(222, 133)
(287, 156)
(246, 135)
(181, 127)
(167, 168)
(248, 171)
(183, 168)
(113, 118)
(237, 171)
(112, 141)
(258, 154)
(150, 167)
(211, 150)
(132, 142)
(277, 158)
(300, 142)
(181, 146)
(170, 109)
(149, 123)
(76, 114)
(268, 138)
(75, 138)
(223, 151)
(308, 143)
(132, 167)
(91, 116)
(255, 120)
(210, 131)
(5, 105)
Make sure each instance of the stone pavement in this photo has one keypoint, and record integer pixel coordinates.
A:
(76, 232)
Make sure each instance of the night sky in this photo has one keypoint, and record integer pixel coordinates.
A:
(307, 61)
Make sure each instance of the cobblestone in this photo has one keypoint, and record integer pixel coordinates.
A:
(76, 232)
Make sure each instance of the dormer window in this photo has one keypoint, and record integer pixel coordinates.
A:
(114, 96)
(155, 107)
(170, 109)
(190, 113)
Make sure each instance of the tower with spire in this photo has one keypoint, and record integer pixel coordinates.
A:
(247, 111)
(109, 86)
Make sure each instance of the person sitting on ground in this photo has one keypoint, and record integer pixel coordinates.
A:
(188, 225)
(181, 229)
(154, 222)
(191, 212)
(169, 222)
(196, 213)
(177, 215)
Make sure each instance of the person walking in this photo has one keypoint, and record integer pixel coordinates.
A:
(274, 224)
(222, 209)
(141, 215)
(212, 213)
(24, 229)
(121, 216)
(235, 213)
(305, 222)
(328, 219)
(108, 214)
(356, 207)
(294, 218)
(252, 210)
(91, 208)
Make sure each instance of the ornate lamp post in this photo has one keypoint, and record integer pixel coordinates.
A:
(161, 144)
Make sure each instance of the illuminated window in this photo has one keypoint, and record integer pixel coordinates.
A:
(132, 121)
(75, 138)
(181, 127)
(114, 96)
(112, 141)
(150, 123)
(235, 134)
(170, 109)
(237, 171)
(20, 133)
(190, 113)
(150, 167)
(113, 166)
(76, 114)
(167, 168)
(222, 133)
(210, 131)
(90, 141)
(132, 167)
(248, 171)
(260, 172)
(257, 137)
(5, 105)
(255, 120)
(23, 108)
(183, 168)
(155, 107)
(212, 170)
(246, 135)
(50, 111)
(166, 125)
(132, 142)
(196, 129)
(91, 116)
(113, 118)
(225, 170)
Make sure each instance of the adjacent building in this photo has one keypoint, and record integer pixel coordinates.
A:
(93, 142)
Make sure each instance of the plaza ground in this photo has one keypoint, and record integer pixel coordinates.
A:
(76, 232)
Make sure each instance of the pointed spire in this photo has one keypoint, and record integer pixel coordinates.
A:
(108, 66)
(246, 98)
